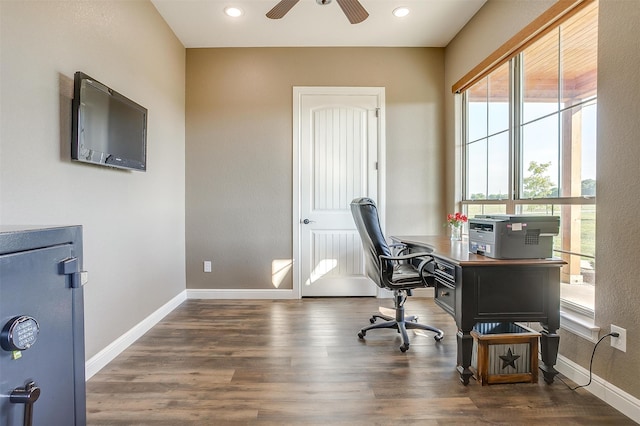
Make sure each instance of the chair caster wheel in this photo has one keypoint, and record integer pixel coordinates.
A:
(361, 334)
(404, 348)
(372, 320)
(438, 337)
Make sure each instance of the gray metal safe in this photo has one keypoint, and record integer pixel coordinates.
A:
(42, 378)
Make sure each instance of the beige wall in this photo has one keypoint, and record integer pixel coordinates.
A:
(617, 232)
(133, 222)
(239, 149)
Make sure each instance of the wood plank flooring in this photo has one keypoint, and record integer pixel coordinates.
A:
(299, 362)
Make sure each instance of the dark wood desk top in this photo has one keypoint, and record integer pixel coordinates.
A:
(457, 252)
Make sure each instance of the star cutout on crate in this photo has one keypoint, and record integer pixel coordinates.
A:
(509, 359)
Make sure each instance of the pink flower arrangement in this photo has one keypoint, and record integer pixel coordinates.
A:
(456, 219)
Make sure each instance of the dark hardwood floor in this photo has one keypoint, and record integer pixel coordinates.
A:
(299, 362)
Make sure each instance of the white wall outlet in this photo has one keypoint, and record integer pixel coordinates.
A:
(207, 266)
(619, 343)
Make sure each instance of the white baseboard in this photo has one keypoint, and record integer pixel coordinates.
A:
(105, 356)
(240, 294)
(617, 398)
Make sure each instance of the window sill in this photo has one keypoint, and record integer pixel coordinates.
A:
(579, 323)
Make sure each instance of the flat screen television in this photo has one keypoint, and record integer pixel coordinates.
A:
(108, 128)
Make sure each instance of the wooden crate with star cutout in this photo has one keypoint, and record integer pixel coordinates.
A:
(504, 353)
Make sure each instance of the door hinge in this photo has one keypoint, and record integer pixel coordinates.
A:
(377, 112)
(376, 165)
(70, 266)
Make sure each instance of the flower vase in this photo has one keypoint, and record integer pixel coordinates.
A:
(456, 233)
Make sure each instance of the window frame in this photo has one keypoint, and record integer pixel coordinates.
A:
(576, 318)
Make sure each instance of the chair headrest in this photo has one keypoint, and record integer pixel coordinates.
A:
(363, 201)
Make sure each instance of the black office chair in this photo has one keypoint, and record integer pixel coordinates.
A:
(393, 272)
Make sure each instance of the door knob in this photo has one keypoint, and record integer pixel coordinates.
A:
(307, 221)
(27, 396)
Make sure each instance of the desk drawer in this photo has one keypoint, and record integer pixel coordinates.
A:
(445, 296)
(445, 272)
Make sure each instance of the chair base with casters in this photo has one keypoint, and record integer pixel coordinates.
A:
(401, 323)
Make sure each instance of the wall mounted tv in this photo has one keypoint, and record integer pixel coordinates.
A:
(108, 128)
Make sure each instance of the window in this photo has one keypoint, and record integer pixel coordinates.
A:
(530, 143)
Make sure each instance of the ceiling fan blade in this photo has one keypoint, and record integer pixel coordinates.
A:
(355, 12)
(281, 9)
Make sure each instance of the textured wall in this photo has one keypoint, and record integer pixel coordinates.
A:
(133, 222)
(239, 149)
(617, 231)
(618, 292)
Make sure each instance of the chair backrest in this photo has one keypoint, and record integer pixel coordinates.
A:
(365, 215)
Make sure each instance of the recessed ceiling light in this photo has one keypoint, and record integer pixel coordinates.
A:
(234, 12)
(400, 12)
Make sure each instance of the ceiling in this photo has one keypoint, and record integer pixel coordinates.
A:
(202, 23)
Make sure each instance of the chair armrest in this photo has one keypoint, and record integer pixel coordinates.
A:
(428, 278)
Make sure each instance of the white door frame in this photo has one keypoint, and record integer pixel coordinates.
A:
(298, 92)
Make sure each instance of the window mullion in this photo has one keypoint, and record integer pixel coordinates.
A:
(560, 177)
(515, 131)
(486, 176)
(464, 145)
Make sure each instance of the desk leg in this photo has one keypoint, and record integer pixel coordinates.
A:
(465, 349)
(549, 342)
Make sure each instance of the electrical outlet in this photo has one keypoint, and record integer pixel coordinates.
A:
(619, 343)
(207, 266)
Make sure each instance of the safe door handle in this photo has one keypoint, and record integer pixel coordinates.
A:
(27, 396)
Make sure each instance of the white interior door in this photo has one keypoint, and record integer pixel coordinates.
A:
(338, 159)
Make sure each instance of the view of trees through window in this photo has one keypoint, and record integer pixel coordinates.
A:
(530, 143)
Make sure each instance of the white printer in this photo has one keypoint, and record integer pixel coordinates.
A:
(513, 236)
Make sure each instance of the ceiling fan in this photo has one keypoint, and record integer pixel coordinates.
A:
(354, 11)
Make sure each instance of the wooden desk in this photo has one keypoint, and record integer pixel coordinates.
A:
(474, 288)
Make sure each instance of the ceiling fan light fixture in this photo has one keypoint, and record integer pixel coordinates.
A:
(233, 11)
(401, 12)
